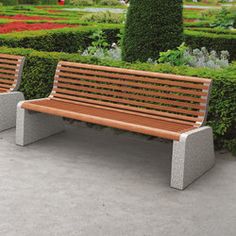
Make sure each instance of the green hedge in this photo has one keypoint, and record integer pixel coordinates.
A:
(68, 40)
(152, 26)
(8, 2)
(40, 67)
(73, 39)
(212, 41)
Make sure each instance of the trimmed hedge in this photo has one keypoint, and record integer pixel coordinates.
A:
(68, 40)
(212, 41)
(8, 2)
(152, 26)
(73, 39)
(40, 68)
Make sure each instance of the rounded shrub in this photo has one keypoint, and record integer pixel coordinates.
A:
(152, 26)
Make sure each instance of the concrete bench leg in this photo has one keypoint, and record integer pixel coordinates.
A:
(32, 126)
(193, 155)
(8, 103)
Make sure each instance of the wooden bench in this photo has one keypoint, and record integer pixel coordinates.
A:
(10, 77)
(162, 105)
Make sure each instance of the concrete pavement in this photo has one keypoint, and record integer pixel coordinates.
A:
(94, 182)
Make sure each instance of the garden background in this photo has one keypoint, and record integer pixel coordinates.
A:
(94, 32)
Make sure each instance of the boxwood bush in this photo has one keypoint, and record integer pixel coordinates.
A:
(68, 40)
(152, 26)
(40, 67)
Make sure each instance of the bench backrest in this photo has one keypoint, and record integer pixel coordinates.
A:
(10, 72)
(180, 99)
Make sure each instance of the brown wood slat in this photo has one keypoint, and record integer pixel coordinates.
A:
(148, 111)
(9, 66)
(8, 86)
(130, 95)
(8, 76)
(5, 81)
(134, 78)
(8, 71)
(135, 72)
(132, 90)
(120, 97)
(10, 56)
(121, 109)
(13, 62)
(133, 84)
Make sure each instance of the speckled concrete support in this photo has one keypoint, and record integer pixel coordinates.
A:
(32, 126)
(8, 103)
(192, 156)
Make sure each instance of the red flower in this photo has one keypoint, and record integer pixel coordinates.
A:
(21, 26)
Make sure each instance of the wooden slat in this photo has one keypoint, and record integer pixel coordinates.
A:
(8, 76)
(123, 110)
(5, 81)
(9, 61)
(9, 66)
(149, 111)
(134, 78)
(8, 71)
(133, 84)
(136, 72)
(10, 56)
(132, 96)
(66, 82)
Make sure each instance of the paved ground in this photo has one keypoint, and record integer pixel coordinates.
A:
(92, 182)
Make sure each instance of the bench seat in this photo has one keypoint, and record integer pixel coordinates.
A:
(115, 118)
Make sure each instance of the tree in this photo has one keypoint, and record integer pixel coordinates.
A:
(152, 26)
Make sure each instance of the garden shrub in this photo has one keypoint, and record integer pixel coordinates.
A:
(81, 2)
(109, 2)
(103, 17)
(40, 67)
(212, 41)
(152, 26)
(63, 40)
(8, 2)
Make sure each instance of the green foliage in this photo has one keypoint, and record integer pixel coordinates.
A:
(212, 41)
(8, 2)
(109, 2)
(103, 17)
(82, 2)
(61, 40)
(99, 41)
(175, 57)
(152, 26)
(223, 19)
(40, 67)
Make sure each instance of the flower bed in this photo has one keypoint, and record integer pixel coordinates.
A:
(24, 17)
(22, 26)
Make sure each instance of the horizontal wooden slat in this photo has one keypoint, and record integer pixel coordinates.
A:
(149, 111)
(7, 76)
(121, 109)
(5, 81)
(10, 61)
(8, 71)
(135, 72)
(131, 90)
(132, 96)
(129, 102)
(133, 84)
(10, 56)
(9, 66)
(134, 78)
